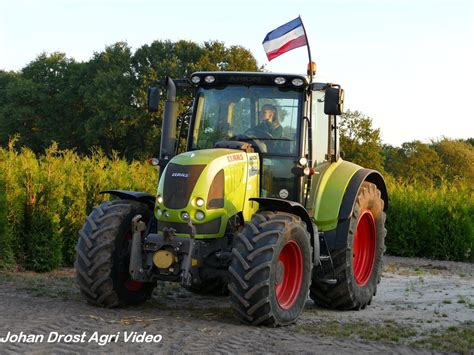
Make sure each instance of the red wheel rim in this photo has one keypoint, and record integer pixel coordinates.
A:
(289, 275)
(363, 251)
(128, 283)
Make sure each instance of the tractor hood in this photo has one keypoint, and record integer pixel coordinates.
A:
(207, 187)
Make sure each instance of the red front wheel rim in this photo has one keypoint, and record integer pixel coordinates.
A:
(289, 275)
(363, 251)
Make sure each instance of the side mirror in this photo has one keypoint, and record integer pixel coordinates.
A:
(153, 99)
(334, 100)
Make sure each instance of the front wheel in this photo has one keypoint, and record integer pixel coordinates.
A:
(103, 255)
(358, 265)
(270, 272)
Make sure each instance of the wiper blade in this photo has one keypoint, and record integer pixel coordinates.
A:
(263, 139)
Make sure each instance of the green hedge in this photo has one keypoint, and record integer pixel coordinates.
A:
(44, 201)
(431, 222)
(6, 251)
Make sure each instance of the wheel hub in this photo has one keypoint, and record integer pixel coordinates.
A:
(364, 245)
(290, 267)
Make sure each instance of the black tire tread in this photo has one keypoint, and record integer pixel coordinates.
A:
(253, 250)
(341, 296)
(94, 254)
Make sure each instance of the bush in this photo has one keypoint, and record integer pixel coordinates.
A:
(436, 223)
(44, 201)
(6, 250)
(48, 198)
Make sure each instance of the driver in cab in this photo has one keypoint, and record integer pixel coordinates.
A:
(269, 121)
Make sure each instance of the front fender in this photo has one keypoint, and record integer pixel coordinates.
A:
(275, 204)
(142, 197)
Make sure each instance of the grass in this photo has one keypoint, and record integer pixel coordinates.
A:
(387, 331)
(458, 339)
(57, 284)
(453, 339)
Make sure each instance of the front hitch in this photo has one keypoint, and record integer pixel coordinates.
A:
(186, 276)
(136, 258)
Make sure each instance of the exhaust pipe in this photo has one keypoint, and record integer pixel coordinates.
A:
(168, 131)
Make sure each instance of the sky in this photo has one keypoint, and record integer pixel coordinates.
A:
(407, 64)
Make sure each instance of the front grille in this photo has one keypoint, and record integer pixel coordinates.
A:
(211, 227)
(179, 184)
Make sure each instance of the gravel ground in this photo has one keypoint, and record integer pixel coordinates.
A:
(422, 306)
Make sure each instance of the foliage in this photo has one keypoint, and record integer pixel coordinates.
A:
(96, 112)
(360, 142)
(432, 222)
(414, 162)
(457, 159)
(102, 102)
(45, 199)
(6, 249)
(441, 161)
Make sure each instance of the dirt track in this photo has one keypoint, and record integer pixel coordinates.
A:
(417, 301)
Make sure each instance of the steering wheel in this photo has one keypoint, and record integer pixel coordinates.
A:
(257, 133)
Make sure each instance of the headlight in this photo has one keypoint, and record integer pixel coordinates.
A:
(185, 215)
(166, 214)
(159, 199)
(195, 79)
(279, 80)
(199, 215)
(297, 82)
(159, 213)
(209, 79)
(303, 161)
(199, 202)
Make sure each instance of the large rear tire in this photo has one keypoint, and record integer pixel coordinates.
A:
(358, 265)
(270, 271)
(103, 255)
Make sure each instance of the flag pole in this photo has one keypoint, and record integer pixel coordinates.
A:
(310, 131)
(309, 52)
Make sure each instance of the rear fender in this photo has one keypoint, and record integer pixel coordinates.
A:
(349, 199)
(329, 193)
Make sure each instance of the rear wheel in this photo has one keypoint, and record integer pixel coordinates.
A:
(270, 271)
(103, 255)
(357, 266)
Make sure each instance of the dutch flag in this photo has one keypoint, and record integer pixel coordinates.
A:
(289, 36)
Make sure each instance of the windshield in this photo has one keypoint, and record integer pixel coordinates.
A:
(263, 114)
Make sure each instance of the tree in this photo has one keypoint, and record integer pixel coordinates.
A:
(457, 159)
(470, 141)
(413, 162)
(37, 104)
(102, 102)
(360, 142)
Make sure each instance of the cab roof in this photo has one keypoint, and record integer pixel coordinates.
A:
(204, 78)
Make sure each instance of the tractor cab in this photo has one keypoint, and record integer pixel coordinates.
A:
(261, 109)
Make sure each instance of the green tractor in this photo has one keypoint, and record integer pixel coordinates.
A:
(260, 206)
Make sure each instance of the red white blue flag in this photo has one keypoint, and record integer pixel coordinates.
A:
(289, 36)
